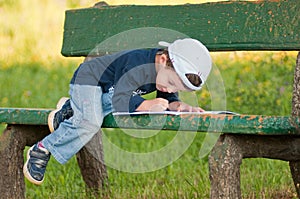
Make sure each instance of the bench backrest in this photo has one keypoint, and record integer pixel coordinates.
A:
(221, 26)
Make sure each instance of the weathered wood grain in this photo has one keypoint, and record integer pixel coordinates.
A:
(221, 26)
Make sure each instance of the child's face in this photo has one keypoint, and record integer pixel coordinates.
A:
(168, 81)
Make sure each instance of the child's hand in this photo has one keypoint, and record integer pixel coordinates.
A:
(183, 107)
(154, 105)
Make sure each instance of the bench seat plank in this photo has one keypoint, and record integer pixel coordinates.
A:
(24, 116)
(221, 26)
(233, 124)
(241, 124)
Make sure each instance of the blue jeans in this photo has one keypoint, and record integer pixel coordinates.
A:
(90, 106)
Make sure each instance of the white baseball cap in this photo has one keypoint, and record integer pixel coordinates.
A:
(189, 56)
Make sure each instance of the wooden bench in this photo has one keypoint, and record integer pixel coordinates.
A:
(222, 26)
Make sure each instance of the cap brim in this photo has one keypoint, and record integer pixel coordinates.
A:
(164, 44)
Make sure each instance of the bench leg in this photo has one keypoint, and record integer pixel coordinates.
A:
(91, 162)
(12, 144)
(295, 165)
(224, 166)
(295, 171)
(11, 162)
(226, 157)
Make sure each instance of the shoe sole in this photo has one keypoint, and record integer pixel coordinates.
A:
(51, 115)
(26, 172)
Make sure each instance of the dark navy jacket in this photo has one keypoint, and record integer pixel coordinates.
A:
(129, 73)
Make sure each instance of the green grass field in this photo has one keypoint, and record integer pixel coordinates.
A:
(34, 74)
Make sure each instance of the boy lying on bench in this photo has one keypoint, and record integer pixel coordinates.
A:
(115, 83)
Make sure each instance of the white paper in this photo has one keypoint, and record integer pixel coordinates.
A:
(174, 113)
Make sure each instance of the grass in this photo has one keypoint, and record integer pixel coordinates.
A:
(34, 74)
(32, 85)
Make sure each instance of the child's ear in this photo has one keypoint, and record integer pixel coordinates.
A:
(163, 59)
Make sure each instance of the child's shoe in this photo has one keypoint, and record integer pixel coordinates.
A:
(35, 166)
(63, 111)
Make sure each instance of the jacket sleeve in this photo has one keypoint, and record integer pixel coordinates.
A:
(124, 99)
(135, 102)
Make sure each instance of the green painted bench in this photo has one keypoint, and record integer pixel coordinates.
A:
(222, 26)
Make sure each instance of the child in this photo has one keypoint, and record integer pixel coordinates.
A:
(115, 83)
